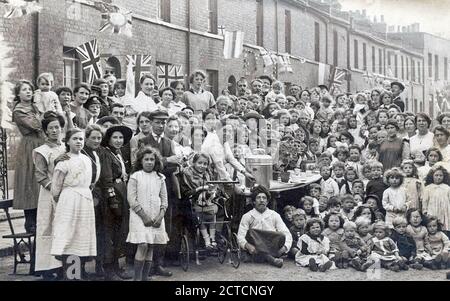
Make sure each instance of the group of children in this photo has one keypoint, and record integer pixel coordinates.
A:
(397, 221)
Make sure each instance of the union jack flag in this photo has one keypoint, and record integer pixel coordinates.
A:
(337, 76)
(168, 73)
(142, 64)
(90, 60)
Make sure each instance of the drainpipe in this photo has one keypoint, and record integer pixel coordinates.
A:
(276, 35)
(348, 53)
(424, 93)
(188, 42)
(36, 57)
(326, 41)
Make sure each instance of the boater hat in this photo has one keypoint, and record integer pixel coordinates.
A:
(126, 132)
(252, 114)
(401, 86)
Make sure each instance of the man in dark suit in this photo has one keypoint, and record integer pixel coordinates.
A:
(397, 88)
(171, 162)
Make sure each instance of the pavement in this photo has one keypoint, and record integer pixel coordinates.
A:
(211, 269)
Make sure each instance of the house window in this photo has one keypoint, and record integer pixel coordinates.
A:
(413, 70)
(72, 73)
(317, 41)
(407, 68)
(213, 82)
(164, 10)
(436, 67)
(335, 48)
(287, 31)
(373, 59)
(380, 61)
(402, 66)
(364, 56)
(389, 60)
(212, 17)
(396, 65)
(430, 65)
(419, 79)
(259, 22)
(355, 53)
(445, 68)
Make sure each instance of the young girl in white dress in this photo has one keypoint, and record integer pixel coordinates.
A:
(147, 196)
(394, 198)
(436, 196)
(74, 221)
(413, 186)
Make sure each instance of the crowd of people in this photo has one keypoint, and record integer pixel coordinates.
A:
(103, 175)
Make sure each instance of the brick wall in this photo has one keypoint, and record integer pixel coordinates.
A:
(18, 33)
(168, 44)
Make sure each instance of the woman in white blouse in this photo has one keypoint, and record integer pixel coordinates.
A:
(423, 140)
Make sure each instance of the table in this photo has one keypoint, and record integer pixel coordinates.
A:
(276, 188)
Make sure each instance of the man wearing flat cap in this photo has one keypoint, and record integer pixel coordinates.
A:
(397, 88)
(165, 146)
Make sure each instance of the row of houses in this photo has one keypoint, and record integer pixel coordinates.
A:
(184, 35)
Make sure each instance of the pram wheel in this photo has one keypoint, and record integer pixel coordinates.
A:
(184, 253)
(222, 249)
(235, 251)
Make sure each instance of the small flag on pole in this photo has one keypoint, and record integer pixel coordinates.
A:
(130, 90)
(321, 74)
(90, 60)
(140, 64)
(233, 44)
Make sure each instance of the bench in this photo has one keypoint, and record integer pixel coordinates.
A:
(23, 242)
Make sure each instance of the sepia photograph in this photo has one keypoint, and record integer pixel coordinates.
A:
(201, 144)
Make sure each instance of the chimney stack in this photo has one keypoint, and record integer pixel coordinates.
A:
(374, 19)
(398, 28)
(382, 18)
(364, 12)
